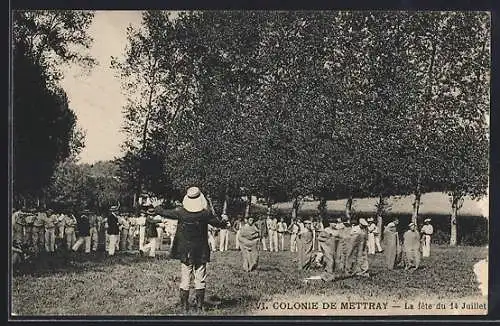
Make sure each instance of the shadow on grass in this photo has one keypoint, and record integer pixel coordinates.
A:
(45, 264)
(268, 269)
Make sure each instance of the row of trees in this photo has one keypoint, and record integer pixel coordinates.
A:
(282, 105)
(45, 133)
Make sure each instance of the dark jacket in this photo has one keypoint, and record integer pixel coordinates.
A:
(191, 237)
(113, 228)
(83, 226)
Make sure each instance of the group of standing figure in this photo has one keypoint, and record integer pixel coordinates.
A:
(36, 231)
(343, 245)
(415, 245)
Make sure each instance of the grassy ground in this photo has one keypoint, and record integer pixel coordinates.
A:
(128, 284)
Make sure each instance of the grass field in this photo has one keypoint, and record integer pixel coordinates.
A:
(128, 284)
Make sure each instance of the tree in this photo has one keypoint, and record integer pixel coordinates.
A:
(44, 126)
(54, 37)
(285, 105)
(154, 80)
(451, 130)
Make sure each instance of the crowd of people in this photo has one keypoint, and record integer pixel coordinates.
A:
(331, 242)
(44, 230)
(339, 245)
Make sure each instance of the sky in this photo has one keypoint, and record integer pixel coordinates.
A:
(96, 97)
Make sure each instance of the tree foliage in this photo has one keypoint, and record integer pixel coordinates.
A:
(44, 126)
(283, 105)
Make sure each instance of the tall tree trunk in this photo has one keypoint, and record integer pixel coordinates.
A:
(247, 207)
(295, 207)
(322, 208)
(226, 199)
(416, 202)
(456, 204)
(381, 205)
(453, 224)
(380, 226)
(380, 212)
(134, 202)
(348, 207)
(416, 207)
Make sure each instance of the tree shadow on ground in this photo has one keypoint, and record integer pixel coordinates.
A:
(268, 269)
(45, 264)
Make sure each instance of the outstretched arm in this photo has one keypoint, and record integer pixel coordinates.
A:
(223, 224)
(166, 213)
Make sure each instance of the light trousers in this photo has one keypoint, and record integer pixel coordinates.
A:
(142, 236)
(223, 239)
(198, 271)
(426, 246)
(70, 237)
(151, 246)
(61, 232)
(314, 239)
(237, 240)
(160, 238)
(80, 241)
(281, 240)
(377, 243)
(264, 243)
(211, 242)
(293, 243)
(50, 240)
(94, 238)
(273, 240)
(371, 243)
(113, 243)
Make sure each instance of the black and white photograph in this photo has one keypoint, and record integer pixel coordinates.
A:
(249, 163)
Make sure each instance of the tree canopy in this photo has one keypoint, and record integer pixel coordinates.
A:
(44, 126)
(283, 105)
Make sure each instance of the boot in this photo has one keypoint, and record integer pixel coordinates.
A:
(200, 299)
(184, 297)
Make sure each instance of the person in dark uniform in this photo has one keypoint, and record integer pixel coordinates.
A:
(83, 229)
(151, 232)
(191, 242)
(113, 230)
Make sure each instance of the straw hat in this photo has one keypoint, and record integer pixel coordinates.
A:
(113, 209)
(370, 219)
(151, 211)
(194, 201)
(411, 224)
(427, 220)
